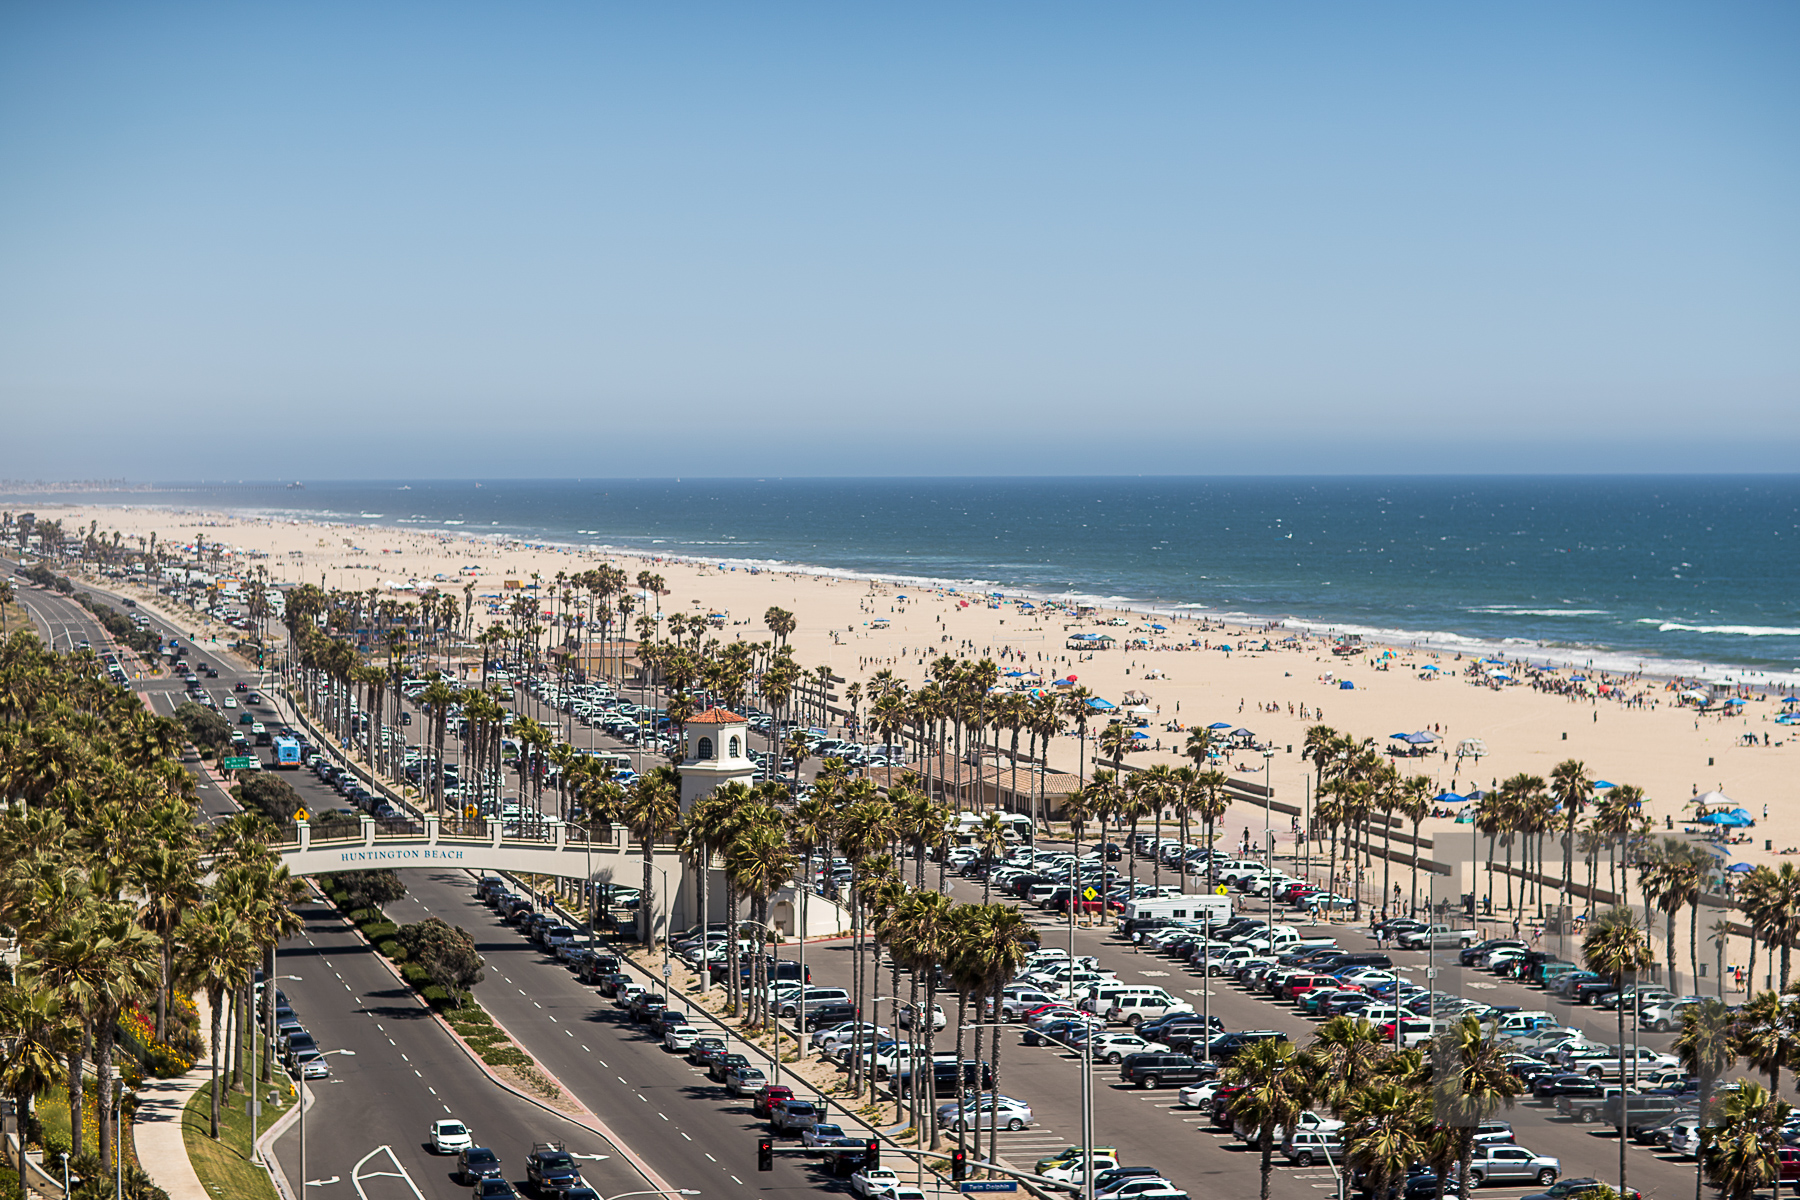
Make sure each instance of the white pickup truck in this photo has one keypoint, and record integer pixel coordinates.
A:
(1439, 937)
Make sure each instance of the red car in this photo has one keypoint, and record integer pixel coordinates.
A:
(766, 1096)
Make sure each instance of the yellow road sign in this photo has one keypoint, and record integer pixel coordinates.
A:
(300, 815)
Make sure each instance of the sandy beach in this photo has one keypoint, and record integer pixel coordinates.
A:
(1638, 733)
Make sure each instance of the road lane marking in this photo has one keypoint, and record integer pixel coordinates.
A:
(664, 1116)
(709, 1158)
(737, 1181)
(621, 1079)
(685, 1136)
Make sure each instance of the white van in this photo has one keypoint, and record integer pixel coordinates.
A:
(1202, 907)
(1101, 997)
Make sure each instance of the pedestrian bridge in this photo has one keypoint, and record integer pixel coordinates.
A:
(553, 847)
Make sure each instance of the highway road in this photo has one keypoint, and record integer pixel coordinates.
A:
(666, 1110)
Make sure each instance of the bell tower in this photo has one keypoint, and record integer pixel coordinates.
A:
(717, 751)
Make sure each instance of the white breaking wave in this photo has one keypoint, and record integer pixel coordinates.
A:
(1739, 630)
(1507, 610)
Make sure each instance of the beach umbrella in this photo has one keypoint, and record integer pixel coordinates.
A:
(1014, 675)
(1429, 667)
(1740, 868)
(1220, 725)
(1718, 851)
(1103, 705)
(1449, 798)
(1600, 785)
(1241, 732)
(1141, 734)
(1160, 628)
(1346, 685)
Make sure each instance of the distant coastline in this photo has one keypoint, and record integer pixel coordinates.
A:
(1668, 577)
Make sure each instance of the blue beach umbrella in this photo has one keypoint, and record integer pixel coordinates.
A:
(1220, 725)
(1600, 785)
(1740, 868)
(1097, 702)
(1449, 798)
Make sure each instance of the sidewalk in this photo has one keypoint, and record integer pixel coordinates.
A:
(157, 1129)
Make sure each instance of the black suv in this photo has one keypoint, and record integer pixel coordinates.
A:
(1154, 1070)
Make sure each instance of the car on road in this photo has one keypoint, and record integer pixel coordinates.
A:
(1512, 1164)
(767, 1097)
(678, 1037)
(450, 1136)
(313, 1066)
(550, 1168)
(477, 1162)
(494, 1189)
(722, 1065)
(792, 1116)
(744, 1080)
(875, 1181)
(704, 1049)
(825, 1135)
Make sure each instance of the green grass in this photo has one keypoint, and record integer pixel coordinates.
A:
(224, 1166)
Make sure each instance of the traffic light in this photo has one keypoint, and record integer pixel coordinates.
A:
(871, 1153)
(765, 1154)
(959, 1165)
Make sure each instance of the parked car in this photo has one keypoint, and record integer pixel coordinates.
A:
(744, 1080)
(792, 1116)
(1007, 1113)
(1512, 1164)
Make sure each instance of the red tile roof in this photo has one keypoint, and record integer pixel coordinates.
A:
(717, 716)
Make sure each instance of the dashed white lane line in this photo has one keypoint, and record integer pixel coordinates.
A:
(686, 1138)
(431, 1089)
(664, 1116)
(621, 1079)
(709, 1158)
(737, 1181)
(570, 1032)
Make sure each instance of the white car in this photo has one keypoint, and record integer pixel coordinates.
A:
(938, 1020)
(839, 1038)
(1113, 1047)
(450, 1136)
(230, 702)
(1076, 1169)
(875, 1181)
(1198, 1095)
(679, 1038)
(1011, 1114)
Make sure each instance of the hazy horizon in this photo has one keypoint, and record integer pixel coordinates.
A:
(452, 241)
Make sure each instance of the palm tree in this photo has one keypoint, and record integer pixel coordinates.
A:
(1385, 1130)
(1706, 1048)
(168, 876)
(760, 860)
(1276, 1087)
(1615, 946)
(219, 955)
(1471, 1081)
(33, 1032)
(1572, 789)
(1741, 1151)
(1006, 940)
(1345, 1053)
(1764, 1033)
(652, 807)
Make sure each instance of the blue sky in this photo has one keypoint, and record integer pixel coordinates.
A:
(353, 240)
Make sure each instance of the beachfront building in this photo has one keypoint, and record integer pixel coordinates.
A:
(717, 752)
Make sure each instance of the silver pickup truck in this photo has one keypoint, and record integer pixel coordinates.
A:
(1439, 937)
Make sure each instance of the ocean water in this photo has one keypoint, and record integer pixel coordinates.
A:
(1684, 575)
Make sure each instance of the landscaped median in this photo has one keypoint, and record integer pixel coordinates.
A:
(439, 962)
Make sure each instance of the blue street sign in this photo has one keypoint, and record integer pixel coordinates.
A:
(991, 1185)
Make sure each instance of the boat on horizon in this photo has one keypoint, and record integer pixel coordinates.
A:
(296, 486)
